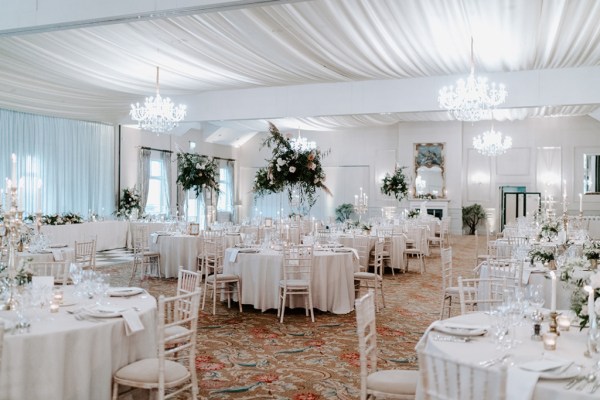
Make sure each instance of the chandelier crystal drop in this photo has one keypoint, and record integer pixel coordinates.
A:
(301, 144)
(158, 114)
(490, 143)
(471, 99)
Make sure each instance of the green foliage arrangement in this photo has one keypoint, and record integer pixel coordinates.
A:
(591, 250)
(542, 255)
(471, 216)
(64, 219)
(414, 213)
(290, 170)
(395, 184)
(198, 172)
(343, 212)
(130, 200)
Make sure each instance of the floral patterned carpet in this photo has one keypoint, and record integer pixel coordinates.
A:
(252, 356)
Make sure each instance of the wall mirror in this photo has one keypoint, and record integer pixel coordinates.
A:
(591, 173)
(429, 171)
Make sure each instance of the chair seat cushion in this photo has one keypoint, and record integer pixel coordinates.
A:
(223, 277)
(146, 372)
(366, 275)
(175, 330)
(393, 381)
(295, 283)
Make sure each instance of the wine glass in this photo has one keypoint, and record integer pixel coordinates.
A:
(535, 295)
(75, 273)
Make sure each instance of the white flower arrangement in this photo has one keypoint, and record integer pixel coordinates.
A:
(576, 272)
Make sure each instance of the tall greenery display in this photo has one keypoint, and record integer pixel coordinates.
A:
(395, 185)
(290, 170)
(471, 216)
(197, 172)
(343, 212)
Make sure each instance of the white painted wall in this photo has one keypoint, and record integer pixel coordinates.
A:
(360, 158)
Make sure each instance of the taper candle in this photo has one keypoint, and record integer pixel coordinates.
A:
(553, 298)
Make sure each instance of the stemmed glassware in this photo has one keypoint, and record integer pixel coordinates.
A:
(75, 273)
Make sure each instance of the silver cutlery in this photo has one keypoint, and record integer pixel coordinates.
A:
(595, 387)
(589, 378)
(574, 381)
(454, 339)
(494, 361)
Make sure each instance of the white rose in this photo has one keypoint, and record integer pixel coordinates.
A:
(280, 162)
(584, 310)
(292, 169)
(197, 165)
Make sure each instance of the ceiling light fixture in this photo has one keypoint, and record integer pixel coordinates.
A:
(301, 144)
(490, 143)
(157, 114)
(471, 100)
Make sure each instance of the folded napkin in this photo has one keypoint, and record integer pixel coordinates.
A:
(525, 277)
(455, 328)
(58, 255)
(233, 255)
(154, 237)
(520, 383)
(133, 323)
(355, 253)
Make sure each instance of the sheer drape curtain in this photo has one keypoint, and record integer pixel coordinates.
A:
(144, 175)
(165, 157)
(74, 160)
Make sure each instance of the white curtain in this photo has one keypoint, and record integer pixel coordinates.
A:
(144, 174)
(165, 157)
(74, 160)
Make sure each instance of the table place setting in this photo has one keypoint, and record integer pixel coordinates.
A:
(459, 329)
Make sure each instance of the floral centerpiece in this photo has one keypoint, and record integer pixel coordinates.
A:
(542, 255)
(62, 219)
(395, 184)
(576, 272)
(591, 250)
(414, 213)
(195, 171)
(549, 229)
(299, 171)
(130, 200)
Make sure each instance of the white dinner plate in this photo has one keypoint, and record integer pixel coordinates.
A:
(552, 370)
(460, 330)
(58, 246)
(104, 311)
(341, 250)
(124, 291)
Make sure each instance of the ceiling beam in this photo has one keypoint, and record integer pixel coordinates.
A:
(35, 16)
(555, 87)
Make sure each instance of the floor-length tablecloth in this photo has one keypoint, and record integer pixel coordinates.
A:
(397, 251)
(260, 273)
(108, 234)
(570, 347)
(66, 359)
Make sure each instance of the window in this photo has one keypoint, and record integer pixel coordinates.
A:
(157, 189)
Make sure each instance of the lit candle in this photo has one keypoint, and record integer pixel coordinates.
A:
(355, 199)
(13, 170)
(382, 213)
(564, 323)
(550, 341)
(54, 307)
(38, 197)
(580, 202)
(565, 188)
(553, 299)
(591, 301)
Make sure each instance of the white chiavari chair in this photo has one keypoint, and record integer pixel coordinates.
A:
(214, 278)
(382, 384)
(173, 371)
(147, 261)
(480, 294)
(58, 269)
(372, 280)
(297, 278)
(85, 254)
(443, 378)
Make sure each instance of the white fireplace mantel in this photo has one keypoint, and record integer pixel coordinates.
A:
(436, 204)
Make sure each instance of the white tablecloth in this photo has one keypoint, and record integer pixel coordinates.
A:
(66, 359)
(398, 247)
(61, 254)
(152, 227)
(570, 346)
(176, 250)
(260, 273)
(108, 234)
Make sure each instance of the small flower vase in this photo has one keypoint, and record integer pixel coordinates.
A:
(593, 263)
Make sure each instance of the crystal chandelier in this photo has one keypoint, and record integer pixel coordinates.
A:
(471, 100)
(490, 143)
(300, 144)
(157, 114)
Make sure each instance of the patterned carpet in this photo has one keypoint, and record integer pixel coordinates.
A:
(252, 356)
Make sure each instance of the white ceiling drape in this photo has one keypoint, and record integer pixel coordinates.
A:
(94, 73)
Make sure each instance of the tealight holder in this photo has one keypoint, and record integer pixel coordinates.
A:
(563, 322)
(552, 325)
(54, 307)
(549, 340)
(58, 296)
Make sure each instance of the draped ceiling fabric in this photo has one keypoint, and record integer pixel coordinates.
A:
(94, 73)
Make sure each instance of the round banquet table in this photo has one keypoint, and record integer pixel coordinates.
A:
(260, 273)
(182, 250)
(66, 359)
(398, 247)
(570, 347)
